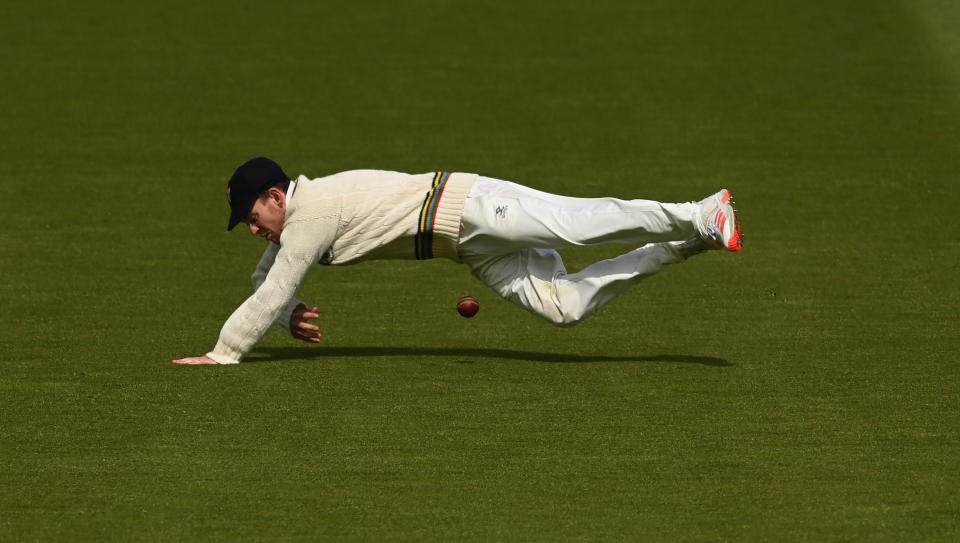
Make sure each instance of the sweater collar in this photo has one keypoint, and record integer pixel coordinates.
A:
(290, 190)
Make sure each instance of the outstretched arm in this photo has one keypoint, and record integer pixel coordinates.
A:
(287, 266)
(300, 328)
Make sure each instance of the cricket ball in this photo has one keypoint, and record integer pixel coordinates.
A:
(468, 306)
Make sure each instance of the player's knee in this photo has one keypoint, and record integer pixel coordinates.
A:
(566, 309)
(551, 310)
(565, 321)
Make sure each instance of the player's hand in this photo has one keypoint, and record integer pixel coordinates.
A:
(195, 360)
(300, 326)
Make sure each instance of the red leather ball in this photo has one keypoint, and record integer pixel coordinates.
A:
(468, 306)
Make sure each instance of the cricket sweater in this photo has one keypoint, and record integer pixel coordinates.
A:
(342, 219)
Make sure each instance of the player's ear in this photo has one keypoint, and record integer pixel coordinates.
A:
(277, 196)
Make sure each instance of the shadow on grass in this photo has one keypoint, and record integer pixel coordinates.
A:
(271, 354)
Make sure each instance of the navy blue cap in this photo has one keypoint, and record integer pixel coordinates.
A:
(251, 179)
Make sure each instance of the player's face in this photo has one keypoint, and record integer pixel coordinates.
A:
(267, 215)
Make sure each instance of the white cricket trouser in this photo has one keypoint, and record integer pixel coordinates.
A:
(510, 233)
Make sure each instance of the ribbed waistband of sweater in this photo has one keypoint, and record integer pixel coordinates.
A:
(438, 227)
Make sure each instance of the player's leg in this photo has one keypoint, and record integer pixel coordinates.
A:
(537, 280)
(500, 216)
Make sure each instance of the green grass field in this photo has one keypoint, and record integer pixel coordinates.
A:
(806, 389)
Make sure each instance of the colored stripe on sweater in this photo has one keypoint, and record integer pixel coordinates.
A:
(428, 214)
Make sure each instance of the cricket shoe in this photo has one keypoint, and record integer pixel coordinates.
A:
(718, 223)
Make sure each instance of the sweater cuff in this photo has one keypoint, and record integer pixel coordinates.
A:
(221, 359)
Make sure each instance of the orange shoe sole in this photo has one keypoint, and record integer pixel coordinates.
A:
(736, 240)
